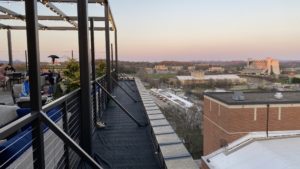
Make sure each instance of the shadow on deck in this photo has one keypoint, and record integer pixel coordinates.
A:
(122, 144)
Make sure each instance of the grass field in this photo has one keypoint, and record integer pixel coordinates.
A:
(160, 76)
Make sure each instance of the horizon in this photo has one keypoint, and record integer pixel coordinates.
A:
(172, 30)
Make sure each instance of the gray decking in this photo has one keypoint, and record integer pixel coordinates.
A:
(122, 144)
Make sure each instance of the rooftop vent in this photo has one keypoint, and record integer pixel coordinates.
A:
(278, 95)
(238, 96)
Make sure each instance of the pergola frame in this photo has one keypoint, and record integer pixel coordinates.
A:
(86, 59)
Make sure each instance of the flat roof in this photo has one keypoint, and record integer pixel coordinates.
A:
(213, 77)
(289, 97)
(280, 153)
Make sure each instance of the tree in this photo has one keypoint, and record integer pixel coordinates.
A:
(72, 75)
(100, 70)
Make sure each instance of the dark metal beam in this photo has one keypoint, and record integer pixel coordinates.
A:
(107, 47)
(93, 68)
(26, 61)
(121, 107)
(69, 141)
(54, 18)
(85, 67)
(16, 125)
(116, 51)
(111, 18)
(92, 48)
(9, 47)
(124, 90)
(15, 15)
(59, 1)
(56, 10)
(11, 13)
(112, 56)
(57, 28)
(34, 81)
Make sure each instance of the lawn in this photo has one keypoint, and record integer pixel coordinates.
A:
(161, 76)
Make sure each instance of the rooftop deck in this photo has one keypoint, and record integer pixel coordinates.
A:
(122, 143)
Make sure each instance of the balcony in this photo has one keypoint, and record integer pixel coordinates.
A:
(109, 122)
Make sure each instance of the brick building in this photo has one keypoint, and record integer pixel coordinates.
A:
(226, 120)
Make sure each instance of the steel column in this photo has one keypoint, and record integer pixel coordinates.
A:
(112, 56)
(93, 68)
(26, 61)
(34, 81)
(116, 51)
(85, 67)
(107, 45)
(92, 48)
(10, 59)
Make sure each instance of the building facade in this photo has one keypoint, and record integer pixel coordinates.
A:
(227, 121)
(161, 69)
(198, 77)
(267, 66)
(217, 69)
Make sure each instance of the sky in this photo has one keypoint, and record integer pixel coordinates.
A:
(190, 30)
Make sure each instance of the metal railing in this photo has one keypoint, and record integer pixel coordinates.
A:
(61, 127)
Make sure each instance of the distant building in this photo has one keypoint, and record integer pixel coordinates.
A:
(197, 74)
(161, 69)
(216, 69)
(149, 70)
(291, 71)
(191, 68)
(176, 68)
(198, 77)
(268, 66)
(251, 130)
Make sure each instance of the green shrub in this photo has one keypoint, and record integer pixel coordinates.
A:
(72, 75)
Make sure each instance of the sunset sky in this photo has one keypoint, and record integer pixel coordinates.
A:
(190, 30)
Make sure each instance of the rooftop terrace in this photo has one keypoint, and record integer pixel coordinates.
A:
(66, 133)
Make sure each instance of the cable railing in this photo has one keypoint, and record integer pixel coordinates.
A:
(61, 130)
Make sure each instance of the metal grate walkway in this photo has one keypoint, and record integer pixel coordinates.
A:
(122, 144)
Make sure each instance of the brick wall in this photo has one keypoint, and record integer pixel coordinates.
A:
(224, 124)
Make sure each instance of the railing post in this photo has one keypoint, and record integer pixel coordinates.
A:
(34, 81)
(100, 103)
(107, 45)
(66, 129)
(84, 61)
(9, 47)
(116, 52)
(112, 56)
(93, 69)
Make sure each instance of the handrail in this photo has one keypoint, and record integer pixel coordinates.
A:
(60, 100)
(126, 111)
(68, 140)
(16, 125)
(101, 77)
(21, 122)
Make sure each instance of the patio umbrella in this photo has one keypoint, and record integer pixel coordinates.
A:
(53, 57)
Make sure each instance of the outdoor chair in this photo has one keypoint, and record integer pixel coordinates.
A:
(23, 101)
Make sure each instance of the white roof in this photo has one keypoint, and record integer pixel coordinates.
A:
(276, 153)
(186, 78)
(213, 77)
(173, 98)
(221, 77)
